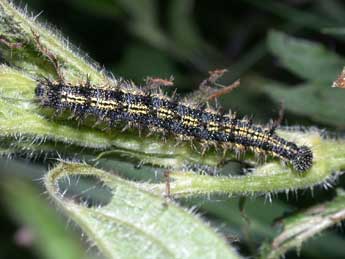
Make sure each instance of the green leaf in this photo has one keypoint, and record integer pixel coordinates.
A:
(17, 27)
(135, 223)
(333, 9)
(144, 22)
(305, 225)
(51, 239)
(306, 59)
(302, 18)
(334, 31)
(147, 62)
(319, 102)
(311, 61)
(106, 8)
(184, 30)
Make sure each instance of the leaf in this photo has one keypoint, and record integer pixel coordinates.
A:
(320, 67)
(147, 62)
(305, 225)
(105, 8)
(309, 60)
(296, 16)
(135, 223)
(334, 31)
(144, 22)
(50, 237)
(183, 28)
(27, 33)
(333, 9)
(321, 103)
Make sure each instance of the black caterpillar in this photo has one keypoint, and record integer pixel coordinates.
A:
(155, 110)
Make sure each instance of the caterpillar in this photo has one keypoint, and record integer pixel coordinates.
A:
(155, 110)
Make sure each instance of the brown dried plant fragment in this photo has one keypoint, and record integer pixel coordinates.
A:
(225, 90)
(156, 82)
(274, 124)
(210, 90)
(340, 82)
(8, 43)
(48, 54)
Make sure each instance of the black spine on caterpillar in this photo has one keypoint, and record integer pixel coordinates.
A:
(155, 110)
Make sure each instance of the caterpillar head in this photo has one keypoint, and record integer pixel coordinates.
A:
(303, 159)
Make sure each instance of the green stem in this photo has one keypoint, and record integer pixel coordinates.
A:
(329, 161)
(305, 225)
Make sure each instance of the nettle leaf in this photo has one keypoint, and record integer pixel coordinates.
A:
(309, 60)
(308, 99)
(300, 227)
(136, 223)
(46, 227)
(146, 61)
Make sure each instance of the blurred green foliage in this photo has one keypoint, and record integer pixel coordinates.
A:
(288, 50)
